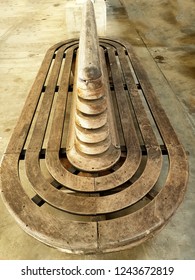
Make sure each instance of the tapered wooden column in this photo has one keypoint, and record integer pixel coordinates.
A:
(92, 139)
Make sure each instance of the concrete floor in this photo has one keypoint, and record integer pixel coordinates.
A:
(162, 33)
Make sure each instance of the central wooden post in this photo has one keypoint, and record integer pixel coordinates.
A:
(92, 141)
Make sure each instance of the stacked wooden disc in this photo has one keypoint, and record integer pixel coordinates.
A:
(93, 143)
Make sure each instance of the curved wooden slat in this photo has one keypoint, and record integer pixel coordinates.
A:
(142, 224)
(133, 158)
(110, 203)
(53, 163)
(101, 183)
(58, 232)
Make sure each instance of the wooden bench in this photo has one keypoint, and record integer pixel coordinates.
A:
(81, 211)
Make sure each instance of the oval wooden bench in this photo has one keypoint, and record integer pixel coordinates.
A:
(82, 211)
(93, 212)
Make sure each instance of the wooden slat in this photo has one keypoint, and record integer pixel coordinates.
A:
(132, 144)
(54, 165)
(58, 232)
(140, 225)
(43, 115)
(20, 132)
(152, 170)
(23, 125)
(90, 205)
(45, 190)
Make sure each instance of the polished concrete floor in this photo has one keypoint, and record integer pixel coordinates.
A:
(162, 33)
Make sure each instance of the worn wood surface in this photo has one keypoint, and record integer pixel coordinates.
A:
(88, 212)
